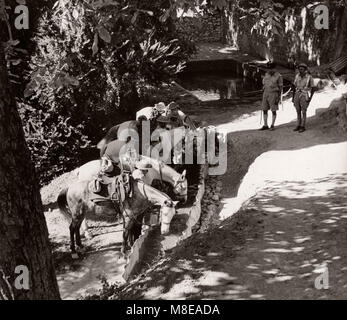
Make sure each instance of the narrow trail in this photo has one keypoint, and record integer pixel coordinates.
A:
(284, 212)
(103, 260)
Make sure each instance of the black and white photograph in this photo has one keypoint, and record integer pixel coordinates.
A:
(175, 155)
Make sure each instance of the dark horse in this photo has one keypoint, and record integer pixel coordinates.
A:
(124, 131)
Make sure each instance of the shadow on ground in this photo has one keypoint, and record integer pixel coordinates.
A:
(242, 260)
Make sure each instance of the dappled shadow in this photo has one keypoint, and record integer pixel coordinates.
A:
(274, 249)
(245, 146)
(84, 276)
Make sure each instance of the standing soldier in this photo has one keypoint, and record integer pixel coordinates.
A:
(273, 86)
(302, 95)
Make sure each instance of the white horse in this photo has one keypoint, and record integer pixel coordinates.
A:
(75, 202)
(159, 171)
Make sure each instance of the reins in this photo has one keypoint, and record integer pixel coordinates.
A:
(133, 217)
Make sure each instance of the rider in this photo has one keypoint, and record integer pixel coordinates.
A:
(178, 116)
(164, 122)
(110, 161)
(302, 95)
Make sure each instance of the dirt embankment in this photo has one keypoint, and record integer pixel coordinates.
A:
(281, 218)
(284, 207)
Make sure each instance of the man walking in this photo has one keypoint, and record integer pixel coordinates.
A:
(302, 95)
(273, 86)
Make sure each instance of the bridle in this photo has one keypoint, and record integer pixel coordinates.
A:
(179, 182)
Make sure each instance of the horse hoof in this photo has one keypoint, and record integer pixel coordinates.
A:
(74, 256)
(124, 252)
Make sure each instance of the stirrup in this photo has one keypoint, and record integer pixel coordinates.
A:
(96, 186)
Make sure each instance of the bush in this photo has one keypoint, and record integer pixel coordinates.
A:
(93, 62)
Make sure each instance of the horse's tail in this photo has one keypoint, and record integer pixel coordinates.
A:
(63, 205)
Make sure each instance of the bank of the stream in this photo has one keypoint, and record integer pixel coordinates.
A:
(213, 261)
(283, 212)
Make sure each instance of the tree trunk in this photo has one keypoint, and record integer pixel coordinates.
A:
(129, 102)
(23, 231)
(341, 43)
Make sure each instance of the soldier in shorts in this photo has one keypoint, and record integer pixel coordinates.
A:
(273, 86)
(302, 96)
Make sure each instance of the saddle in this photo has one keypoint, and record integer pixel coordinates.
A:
(117, 189)
(123, 187)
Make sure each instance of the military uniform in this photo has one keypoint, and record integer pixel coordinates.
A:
(303, 86)
(272, 91)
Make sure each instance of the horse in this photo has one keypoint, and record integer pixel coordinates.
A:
(144, 114)
(75, 202)
(125, 132)
(115, 133)
(159, 171)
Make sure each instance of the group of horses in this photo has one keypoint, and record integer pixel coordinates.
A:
(75, 202)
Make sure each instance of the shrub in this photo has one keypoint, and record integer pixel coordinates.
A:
(93, 62)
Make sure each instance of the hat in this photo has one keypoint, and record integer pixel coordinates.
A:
(160, 106)
(303, 65)
(173, 106)
(141, 165)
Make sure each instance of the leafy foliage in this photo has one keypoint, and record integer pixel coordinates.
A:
(94, 61)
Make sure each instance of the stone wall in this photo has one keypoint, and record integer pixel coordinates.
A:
(205, 27)
(301, 39)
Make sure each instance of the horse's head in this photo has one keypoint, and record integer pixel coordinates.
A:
(181, 188)
(167, 211)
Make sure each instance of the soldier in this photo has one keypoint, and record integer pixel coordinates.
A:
(110, 162)
(118, 156)
(178, 117)
(273, 86)
(303, 91)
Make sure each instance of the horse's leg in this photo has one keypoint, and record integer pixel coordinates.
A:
(126, 233)
(81, 211)
(78, 237)
(84, 227)
(72, 227)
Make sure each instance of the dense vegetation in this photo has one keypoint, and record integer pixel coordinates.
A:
(85, 65)
(94, 61)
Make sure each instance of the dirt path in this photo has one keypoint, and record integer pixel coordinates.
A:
(102, 259)
(284, 208)
(102, 263)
